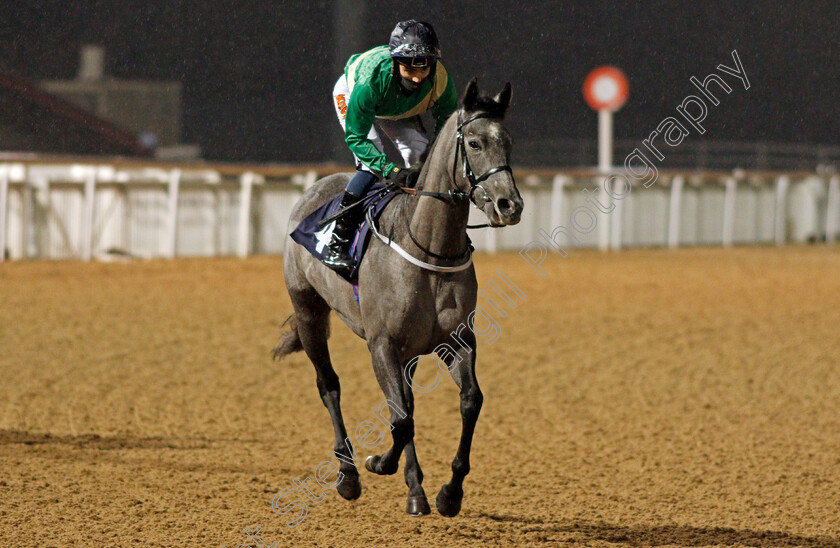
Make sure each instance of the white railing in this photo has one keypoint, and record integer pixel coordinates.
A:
(100, 210)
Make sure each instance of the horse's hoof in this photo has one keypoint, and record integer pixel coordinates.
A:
(374, 464)
(417, 506)
(371, 462)
(350, 487)
(448, 501)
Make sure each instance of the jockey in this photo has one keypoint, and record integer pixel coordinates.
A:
(383, 92)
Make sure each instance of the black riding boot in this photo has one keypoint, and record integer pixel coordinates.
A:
(338, 257)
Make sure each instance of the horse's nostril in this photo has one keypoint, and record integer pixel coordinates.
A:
(505, 205)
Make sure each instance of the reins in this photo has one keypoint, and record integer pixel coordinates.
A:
(454, 195)
(450, 197)
(467, 172)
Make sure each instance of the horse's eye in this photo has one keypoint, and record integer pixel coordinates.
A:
(474, 145)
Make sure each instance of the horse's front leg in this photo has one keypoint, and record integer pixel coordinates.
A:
(417, 504)
(448, 501)
(400, 399)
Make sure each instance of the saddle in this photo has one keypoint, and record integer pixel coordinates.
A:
(315, 239)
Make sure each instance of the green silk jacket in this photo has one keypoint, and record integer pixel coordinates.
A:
(375, 93)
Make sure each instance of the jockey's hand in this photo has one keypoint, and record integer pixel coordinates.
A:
(405, 176)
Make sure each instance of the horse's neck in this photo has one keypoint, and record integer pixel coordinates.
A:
(440, 227)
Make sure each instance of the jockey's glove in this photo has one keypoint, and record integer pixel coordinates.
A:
(405, 176)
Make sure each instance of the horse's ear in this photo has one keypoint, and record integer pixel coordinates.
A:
(503, 97)
(470, 97)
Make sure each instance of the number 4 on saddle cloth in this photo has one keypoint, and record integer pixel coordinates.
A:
(315, 239)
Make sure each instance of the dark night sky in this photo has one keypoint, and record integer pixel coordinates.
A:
(257, 77)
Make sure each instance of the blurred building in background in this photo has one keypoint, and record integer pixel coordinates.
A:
(151, 110)
(254, 81)
(39, 122)
(93, 114)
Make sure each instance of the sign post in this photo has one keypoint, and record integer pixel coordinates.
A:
(606, 90)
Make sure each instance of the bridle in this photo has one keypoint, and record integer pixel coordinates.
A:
(455, 195)
(467, 172)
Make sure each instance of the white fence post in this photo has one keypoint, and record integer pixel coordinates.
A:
(832, 214)
(87, 218)
(782, 184)
(39, 221)
(310, 179)
(173, 187)
(28, 219)
(603, 224)
(674, 211)
(729, 211)
(490, 240)
(615, 223)
(558, 189)
(246, 181)
(4, 196)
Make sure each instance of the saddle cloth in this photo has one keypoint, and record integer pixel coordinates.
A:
(315, 239)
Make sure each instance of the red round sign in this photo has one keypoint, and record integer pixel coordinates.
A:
(606, 88)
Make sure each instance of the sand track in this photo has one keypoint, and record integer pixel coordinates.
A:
(649, 397)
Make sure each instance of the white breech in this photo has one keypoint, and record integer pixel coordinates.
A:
(407, 134)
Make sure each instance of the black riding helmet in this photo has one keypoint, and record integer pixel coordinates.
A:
(414, 44)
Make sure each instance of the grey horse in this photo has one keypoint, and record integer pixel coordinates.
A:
(404, 310)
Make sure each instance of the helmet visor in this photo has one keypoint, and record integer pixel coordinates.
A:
(415, 62)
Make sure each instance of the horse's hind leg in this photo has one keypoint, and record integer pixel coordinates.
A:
(400, 400)
(449, 498)
(312, 314)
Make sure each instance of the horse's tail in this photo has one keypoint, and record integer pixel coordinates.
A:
(289, 340)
